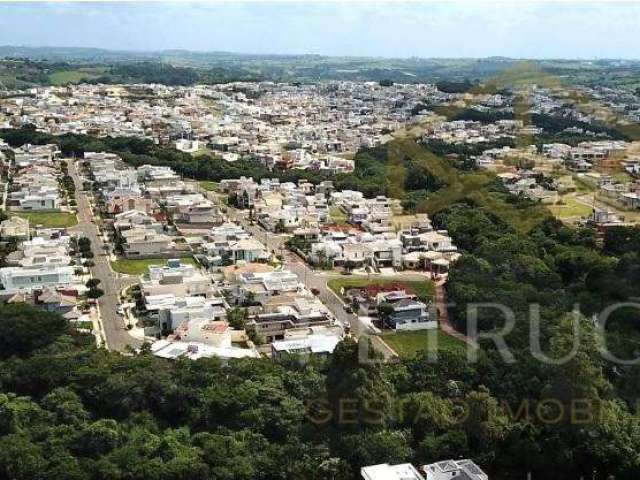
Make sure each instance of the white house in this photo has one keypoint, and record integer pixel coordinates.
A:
(14, 279)
(384, 471)
(136, 218)
(454, 469)
(309, 345)
(38, 201)
(177, 279)
(14, 227)
(263, 285)
(186, 145)
(170, 310)
(244, 249)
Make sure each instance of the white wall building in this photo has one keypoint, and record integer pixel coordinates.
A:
(14, 279)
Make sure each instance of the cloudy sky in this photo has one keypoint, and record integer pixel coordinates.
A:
(456, 28)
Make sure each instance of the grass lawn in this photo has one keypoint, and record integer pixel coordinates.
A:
(571, 208)
(583, 185)
(209, 186)
(424, 289)
(140, 267)
(63, 77)
(622, 177)
(66, 76)
(408, 344)
(84, 324)
(337, 215)
(51, 219)
(204, 151)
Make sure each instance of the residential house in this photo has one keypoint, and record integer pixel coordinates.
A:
(136, 219)
(259, 286)
(407, 313)
(14, 227)
(178, 279)
(454, 470)
(35, 154)
(130, 203)
(37, 199)
(145, 242)
(14, 279)
(54, 300)
(170, 310)
(384, 471)
(291, 315)
(154, 175)
(203, 212)
(244, 249)
(316, 344)
(173, 349)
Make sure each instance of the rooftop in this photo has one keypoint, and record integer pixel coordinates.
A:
(384, 471)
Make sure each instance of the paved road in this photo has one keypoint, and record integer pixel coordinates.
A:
(116, 337)
(313, 279)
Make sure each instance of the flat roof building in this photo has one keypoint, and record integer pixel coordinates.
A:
(384, 471)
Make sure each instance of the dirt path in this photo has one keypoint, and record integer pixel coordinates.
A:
(443, 317)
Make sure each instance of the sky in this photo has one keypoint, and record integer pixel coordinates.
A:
(455, 28)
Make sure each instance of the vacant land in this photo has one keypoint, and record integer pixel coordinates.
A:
(209, 186)
(570, 208)
(403, 221)
(583, 185)
(84, 325)
(54, 219)
(337, 215)
(424, 289)
(408, 344)
(204, 151)
(139, 267)
(64, 77)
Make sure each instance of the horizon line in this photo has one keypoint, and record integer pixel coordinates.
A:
(323, 55)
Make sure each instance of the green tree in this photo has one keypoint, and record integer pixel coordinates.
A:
(237, 317)
(92, 283)
(359, 395)
(24, 330)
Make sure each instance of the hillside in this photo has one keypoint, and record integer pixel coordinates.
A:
(33, 65)
(428, 183)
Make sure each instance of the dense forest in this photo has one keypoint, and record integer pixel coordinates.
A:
(148, 72)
